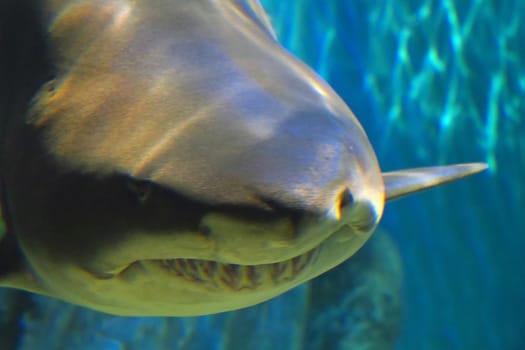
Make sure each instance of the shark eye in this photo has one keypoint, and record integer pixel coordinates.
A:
(140, 188)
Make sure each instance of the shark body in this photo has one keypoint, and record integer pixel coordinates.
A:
(171, 158)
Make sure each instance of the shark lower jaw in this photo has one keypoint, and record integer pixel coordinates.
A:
(189, 287)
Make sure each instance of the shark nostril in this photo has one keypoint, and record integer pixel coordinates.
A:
(345, 198)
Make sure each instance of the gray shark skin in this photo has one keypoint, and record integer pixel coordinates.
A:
(171, 158)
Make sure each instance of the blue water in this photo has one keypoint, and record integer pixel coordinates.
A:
(437, 82)
(432, 82)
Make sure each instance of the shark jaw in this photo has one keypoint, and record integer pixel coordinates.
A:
(194, 286)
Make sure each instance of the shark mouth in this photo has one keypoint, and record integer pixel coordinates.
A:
(236, 277)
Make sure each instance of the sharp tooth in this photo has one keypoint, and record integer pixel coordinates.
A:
(180, 267)
(251, 276)
(230, 275)
(209, 268)
(193, 270)
(278, 270)
(298, 264)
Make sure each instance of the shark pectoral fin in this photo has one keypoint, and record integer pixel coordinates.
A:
(13, 269)
(23, 280)
(14, 273)
(404, 182)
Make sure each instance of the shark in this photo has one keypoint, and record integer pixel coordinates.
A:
(171, 158)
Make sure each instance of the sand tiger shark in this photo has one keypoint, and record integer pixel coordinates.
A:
(170, 157)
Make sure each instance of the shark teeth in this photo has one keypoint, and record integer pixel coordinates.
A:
(236, 276)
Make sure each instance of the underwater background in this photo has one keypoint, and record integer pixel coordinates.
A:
(432, 82)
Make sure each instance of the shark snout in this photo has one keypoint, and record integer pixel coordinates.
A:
(317, 174)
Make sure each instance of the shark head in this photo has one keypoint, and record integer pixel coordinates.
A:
(181, 162)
